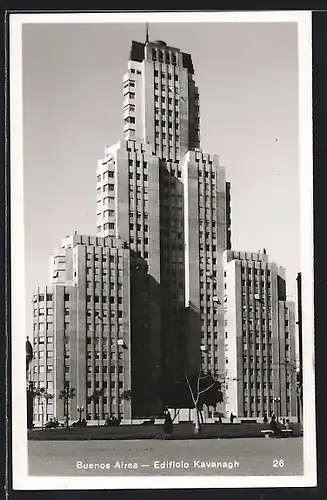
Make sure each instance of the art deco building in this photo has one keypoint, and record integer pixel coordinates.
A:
(82, 330)
(169, 201)
(260, 345)
(153, 276)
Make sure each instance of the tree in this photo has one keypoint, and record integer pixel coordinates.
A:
(95, 397)
(42, 395)
(127, 395)
(204, 388)
(67, 394)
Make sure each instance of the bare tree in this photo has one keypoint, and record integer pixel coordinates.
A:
(204, 389)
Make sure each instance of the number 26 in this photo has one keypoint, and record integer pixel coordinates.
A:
(278, 463)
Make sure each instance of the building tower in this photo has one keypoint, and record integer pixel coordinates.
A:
(300, 348)
(158, 192)
(130, 307)
(260, 346)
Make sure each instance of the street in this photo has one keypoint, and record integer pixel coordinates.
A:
(244, 456)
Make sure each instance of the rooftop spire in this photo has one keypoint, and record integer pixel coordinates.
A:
(147, 33)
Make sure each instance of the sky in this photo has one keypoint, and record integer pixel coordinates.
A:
(247, 74)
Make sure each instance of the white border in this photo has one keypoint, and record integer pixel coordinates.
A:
(21, 479)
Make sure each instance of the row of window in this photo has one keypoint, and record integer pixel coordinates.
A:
(108, 200)
(163, 87)
(206, 174)
(138, 227)
(103, 258)
(163, 124)
(41, 310)
(163, 100)
(265, 400)
(171, 152)
(164, 136)
(106, 175)
(138, 176)
(41, 339)
(163, 75)
(248, 271)
(96, 299)
(137, 163)
(209, 336)
(108, 187)
(49, 297)
(41, 368)
(207, 235)
(139, 195)
(40, 354)
(163, 113)
(132, 70)
(207, 286)
(164, 56)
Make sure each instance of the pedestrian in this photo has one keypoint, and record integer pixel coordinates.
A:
(288, 426)
(265, 419)
(231, 418)
(274, 426)
(220, 420)
(168, 424)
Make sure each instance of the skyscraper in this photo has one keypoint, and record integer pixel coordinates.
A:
(260, 346)
(169, 201)
(151, 281)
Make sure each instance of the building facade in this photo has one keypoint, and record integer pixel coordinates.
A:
(300, 348)
(170, 202)
(82, 331)
(132, 307)
(260, 344)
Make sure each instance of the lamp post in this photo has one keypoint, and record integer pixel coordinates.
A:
(122, 344)
(80, 410)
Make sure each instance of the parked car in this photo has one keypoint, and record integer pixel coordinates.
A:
(112, 422)
(80, 423)
(51, 424)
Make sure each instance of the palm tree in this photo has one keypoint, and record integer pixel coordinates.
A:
(95, 396)
(42, 395)
(127, 396)
(67, 394)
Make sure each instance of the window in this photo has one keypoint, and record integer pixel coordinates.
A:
(130, 119)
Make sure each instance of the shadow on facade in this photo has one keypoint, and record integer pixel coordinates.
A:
(166, 335)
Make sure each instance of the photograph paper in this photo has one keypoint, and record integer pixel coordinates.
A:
(162, 250)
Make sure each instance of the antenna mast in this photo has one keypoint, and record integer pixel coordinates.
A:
(147, 33)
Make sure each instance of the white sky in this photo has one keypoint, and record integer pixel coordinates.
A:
(72, 98)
